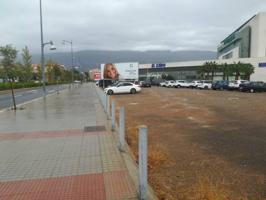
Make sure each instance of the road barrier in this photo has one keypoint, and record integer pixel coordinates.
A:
(103, 98)
(143, 162)
(121, 129)
(143, 140)
(108, 106)
(113, 115)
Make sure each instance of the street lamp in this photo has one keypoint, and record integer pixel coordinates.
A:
(72, 56)
(52, 47)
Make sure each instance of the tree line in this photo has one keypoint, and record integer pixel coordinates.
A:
(237, 70)
(13, 71)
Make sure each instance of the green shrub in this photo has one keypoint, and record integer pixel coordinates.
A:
(6, 86)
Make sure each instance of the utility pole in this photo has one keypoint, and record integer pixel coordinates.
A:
(72, 57)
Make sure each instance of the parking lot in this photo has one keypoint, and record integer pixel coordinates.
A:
(203, 144)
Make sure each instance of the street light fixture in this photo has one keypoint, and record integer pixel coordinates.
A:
(64, 42)
(52, 47)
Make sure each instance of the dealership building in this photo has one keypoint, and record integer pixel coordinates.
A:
(247, 44)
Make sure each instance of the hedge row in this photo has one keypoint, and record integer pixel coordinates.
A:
(6, 86)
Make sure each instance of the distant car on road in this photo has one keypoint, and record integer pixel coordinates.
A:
(122, 87)
(254, 86)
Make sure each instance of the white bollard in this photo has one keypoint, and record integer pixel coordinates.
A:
(143, 162)
(113, 115)
(121, 129)
(108, 106)
(104, 101)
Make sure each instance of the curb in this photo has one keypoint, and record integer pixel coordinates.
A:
(30, 101)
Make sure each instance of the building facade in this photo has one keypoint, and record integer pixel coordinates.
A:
(246, 45)
(248, 41)
(189, 70)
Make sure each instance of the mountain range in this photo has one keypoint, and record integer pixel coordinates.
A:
(90, 59)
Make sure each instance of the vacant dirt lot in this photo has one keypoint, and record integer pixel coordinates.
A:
(204, 145)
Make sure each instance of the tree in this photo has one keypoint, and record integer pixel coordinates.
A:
(207, 66)
(66, 76)
(169, 77)
(54, 71)
(201, 71)
(224, 68)
(9, 56)
(27, 65)
(2, 73)
(247, 70)
(213, 67)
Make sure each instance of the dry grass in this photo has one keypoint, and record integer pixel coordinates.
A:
(206, 189)
(178, 168)
(156, 157)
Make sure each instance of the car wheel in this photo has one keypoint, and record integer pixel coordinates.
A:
(206, 87)
(110, 92)
(221, 88)
(133, 91)
(252, 90)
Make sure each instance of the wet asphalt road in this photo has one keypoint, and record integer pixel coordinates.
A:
(27, 95)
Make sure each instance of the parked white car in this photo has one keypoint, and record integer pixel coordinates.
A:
(163, 84)
(170, 83)
(181, 83)
(234, 85)
(205, 84)
(194, 84)
(122, 87)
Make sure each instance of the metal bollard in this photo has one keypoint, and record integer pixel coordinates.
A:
(113, 115)
(121, 130)
(108, 106)
(143, 162)
(104, 102)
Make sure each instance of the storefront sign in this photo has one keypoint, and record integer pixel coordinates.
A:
(160, 65)
(262, 64)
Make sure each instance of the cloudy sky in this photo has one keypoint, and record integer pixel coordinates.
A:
(124, 24)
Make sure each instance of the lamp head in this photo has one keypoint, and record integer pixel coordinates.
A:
(52, 47)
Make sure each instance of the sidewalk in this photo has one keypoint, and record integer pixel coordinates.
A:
(46, 154)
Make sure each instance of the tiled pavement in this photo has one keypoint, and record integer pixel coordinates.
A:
(62, 163)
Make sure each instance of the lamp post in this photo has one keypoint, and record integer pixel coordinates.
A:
(72, 57)
(42, 51)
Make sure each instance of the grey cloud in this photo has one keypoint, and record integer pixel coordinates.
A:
(124, 24)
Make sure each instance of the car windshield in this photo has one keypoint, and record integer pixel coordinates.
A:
(114, 84)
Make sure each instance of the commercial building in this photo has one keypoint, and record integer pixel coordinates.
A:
(248, 41)
(189, 70)
(247, 44)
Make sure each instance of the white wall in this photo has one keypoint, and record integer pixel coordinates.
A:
(254, 36)
(261, 45)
